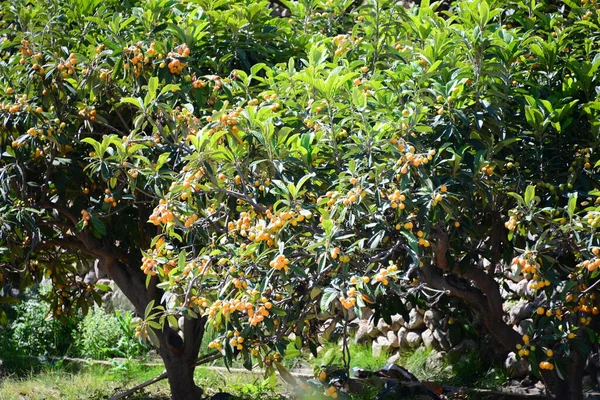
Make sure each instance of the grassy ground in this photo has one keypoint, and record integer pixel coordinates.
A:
(100, 382)
(76, 381)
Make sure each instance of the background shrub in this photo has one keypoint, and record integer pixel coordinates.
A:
(102, 335)
(34, 334)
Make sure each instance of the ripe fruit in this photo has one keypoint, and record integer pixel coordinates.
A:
(541, 311)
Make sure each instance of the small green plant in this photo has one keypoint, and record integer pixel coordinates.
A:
(104, 335)
(34, 334)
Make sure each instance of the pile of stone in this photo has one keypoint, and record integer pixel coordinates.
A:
(427, 329)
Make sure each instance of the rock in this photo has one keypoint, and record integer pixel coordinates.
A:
(415, 320)
(394, 358)
(372, 331)
(382, 326)
(362, 333)
(380, 346)
(90, 278)
(457, 351)
(397, 322)
(428, 339)
(365, 313)
(516, 368)
(523, 309)
(441, 338)
(523, 290)
(432, 318)
(402, 332)
(523, 326)
(392, 338)
(115, 299)
(413, 339)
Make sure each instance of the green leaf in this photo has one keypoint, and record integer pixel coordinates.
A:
(572, 204)
(529, 194)
(329, 295)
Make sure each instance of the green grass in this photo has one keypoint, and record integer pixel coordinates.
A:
(84, 382)
(95, 382)
(360, 356)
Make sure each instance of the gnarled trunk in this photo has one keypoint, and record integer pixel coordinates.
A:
(484, 297)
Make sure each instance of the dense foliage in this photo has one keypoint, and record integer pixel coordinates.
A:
(291, 167)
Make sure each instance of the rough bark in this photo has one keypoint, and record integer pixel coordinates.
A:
(569, 389)
(484, 297)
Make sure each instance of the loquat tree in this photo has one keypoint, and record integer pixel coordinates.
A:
(246, 175)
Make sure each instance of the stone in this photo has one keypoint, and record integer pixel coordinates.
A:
(428, 339)
(459, 350)
(372, 331)
(90, 278)
(517, 368)
(380, 346)
(383, 327)
(413, 339)
(392, 338)
(362, 333)
(397, 322)
(523, 309)
(365, 313)
(394, 358)
(432, 318)
(523, 326)
(415, 320)
(402, 332)
(523, 290)
(441, 338)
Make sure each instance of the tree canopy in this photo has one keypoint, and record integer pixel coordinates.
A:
(254, 173)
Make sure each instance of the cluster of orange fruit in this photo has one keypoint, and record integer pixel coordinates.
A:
(175, 65)
(350, 301)
(237, 341)
(410, 157)
(161, 214)
(354, 195)
(527, 266)
(189, 221)
(25, 48)
(397, 199)
(88, 112)
(546, 365)
(591, 265)
(109, 199)
(66, 67)
(280, 262)
(136, 57)
(21, 102)
(86, 217)
(511, 224)
(382, 275)
(331, 392)
(148, 264)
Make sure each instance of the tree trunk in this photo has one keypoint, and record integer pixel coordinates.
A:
(569, 389)
(179, 357)
(180, 372)
(486, 300)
